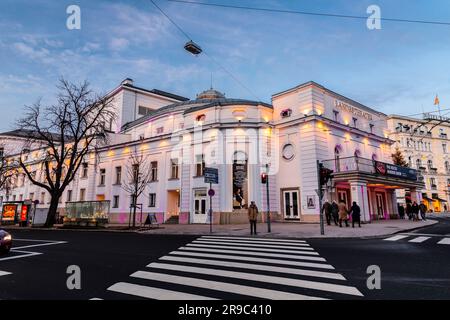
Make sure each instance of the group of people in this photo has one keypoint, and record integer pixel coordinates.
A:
(338, 213)
(412, 211)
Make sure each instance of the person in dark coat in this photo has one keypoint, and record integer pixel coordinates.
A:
(253, 217)
(415, 211)
(355, 211)
(326, 209)
(423, 211)
(335, 212)
(401, 211)
(409, 211)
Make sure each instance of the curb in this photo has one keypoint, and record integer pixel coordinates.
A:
(144, 232)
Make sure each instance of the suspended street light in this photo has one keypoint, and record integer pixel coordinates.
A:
(193, 48)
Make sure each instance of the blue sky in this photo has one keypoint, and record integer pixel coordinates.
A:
(398, 69)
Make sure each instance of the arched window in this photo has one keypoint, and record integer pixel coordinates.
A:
(357, 153)
(337, 152)
(418, 163)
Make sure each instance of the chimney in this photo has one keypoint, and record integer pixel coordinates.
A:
(127, 81)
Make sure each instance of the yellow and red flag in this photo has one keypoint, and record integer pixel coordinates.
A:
(436, 101)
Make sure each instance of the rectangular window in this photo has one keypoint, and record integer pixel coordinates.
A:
(69, 195)
(355, 122)
(84, 170)
(152, 200)
(32, 196)
(102, 176)
(154, 170)
(115, 202)
(174, 168)
(444, 147)
(336, 115)
(20, 197)
(42, 200)
(82, 194)
(14, 198)
(1, 199)
(118, 175)
(371, 127)
(143, 111)
(160, 130)
(199, 165)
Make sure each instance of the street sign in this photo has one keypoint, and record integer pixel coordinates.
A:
(212, 175)
(211, 192)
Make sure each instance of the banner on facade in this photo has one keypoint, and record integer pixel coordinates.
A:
(393, 170)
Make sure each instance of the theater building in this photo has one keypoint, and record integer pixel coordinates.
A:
(242, 139)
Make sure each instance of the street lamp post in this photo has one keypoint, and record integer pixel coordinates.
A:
(268, 200)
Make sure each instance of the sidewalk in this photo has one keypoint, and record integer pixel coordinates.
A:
(296, 230)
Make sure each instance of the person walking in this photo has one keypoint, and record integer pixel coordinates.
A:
(415, 211)
(326, 209)
(252, 217)
(409, 211)
(423, 211)
(343, 214)
(401, 211)
(335, 212)
(355, 212)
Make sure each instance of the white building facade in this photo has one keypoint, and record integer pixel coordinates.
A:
(424, 145)
(242, 139)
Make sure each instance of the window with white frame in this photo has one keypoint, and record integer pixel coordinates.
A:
(82, 194)
(102, 177)
(154, 170)
(84, 170)
(152, 200)
(69, 195)
(118, 175)
(115, 201)
(174, 169)
(199, 165)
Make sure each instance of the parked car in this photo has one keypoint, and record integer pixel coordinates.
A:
(5, 241)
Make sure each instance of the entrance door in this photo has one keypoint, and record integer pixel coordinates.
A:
(380, 204)
(200, 210)
(343, 197)
(290, 199)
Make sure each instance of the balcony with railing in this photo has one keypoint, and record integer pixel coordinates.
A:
(432, 170)
(376, 169)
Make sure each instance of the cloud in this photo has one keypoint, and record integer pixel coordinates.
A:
(118, 44)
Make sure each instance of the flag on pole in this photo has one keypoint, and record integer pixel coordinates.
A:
(436, 101)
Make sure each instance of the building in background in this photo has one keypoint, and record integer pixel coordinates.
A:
(425, 146)
(241, 138)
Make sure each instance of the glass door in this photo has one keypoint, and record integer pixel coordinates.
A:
(200, 210)
(291, 204)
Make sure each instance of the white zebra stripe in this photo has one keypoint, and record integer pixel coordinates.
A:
(253, 259)
(223, 286)
(252, 253)
(252, 248)
(252, 266)
(323, 286)
(154, 293)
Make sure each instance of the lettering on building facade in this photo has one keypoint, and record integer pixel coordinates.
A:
(351, 109)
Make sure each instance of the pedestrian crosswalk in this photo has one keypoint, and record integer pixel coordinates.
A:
(420, 238)
(219, 267)
(4, 273)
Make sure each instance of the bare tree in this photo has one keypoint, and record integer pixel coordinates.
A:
(64, 133)
(8, 169)
(138, 177)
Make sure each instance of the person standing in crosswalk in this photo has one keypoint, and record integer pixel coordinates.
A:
(252, 217)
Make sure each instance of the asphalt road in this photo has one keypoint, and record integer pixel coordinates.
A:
(116, 266)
